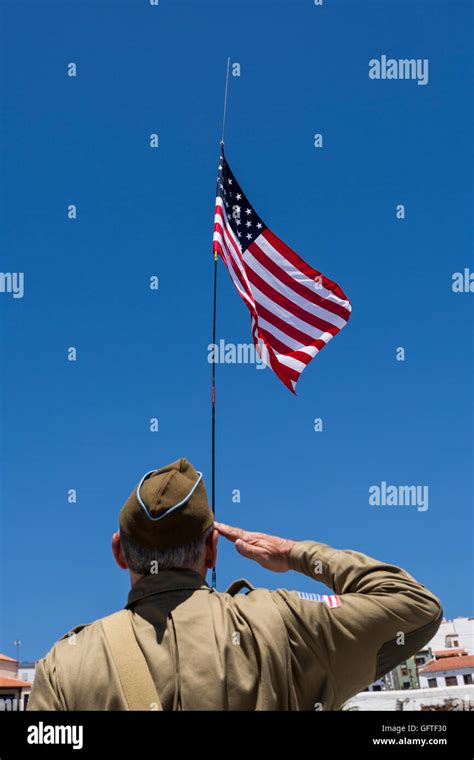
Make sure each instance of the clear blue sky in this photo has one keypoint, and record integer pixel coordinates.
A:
(143, 354)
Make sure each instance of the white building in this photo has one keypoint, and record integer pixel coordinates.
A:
(457, 633)
(14, 691)
(458, 698)
(26, 671)
(447, 671)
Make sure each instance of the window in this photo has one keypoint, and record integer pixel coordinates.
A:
(432, 683)
(451, 680)
(452, 640)
(406, 684)
(468, 678)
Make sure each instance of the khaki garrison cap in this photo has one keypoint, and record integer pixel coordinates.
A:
(168, 508)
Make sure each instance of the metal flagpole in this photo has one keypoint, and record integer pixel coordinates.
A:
(214, 314)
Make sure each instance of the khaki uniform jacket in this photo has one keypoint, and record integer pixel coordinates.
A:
(263, 650)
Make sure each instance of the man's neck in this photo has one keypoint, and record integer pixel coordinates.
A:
(135, 577)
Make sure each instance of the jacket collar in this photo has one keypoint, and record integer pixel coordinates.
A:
(166, 580)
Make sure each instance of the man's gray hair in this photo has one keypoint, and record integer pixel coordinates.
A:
(146, 561)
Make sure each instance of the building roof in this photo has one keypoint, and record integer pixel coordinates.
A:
(449, 663)
(449, 652)
(14, 683)
(6, 658)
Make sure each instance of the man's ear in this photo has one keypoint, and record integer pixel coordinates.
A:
(117, 551)
(211, 549)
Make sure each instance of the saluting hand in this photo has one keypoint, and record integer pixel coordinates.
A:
(270, 552)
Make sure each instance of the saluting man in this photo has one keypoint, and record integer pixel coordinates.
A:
(181, 645)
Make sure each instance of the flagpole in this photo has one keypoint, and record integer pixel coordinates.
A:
(225, 100)
(214, 316)
(213, 412)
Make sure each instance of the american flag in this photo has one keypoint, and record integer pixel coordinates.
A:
(332, 600)
(295, 310)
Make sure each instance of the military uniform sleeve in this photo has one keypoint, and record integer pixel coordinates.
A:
(379, 617)
(45, 694)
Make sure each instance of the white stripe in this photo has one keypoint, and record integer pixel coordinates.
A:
(225, 219)
(281, 336)
(226, 243)
(229, 236)
(285, 315)
(290, 362)
(226, 236)
(287, 341)
(234, 277)
(286, 291)
(295, 274)
(310, 350)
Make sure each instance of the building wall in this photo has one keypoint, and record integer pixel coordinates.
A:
(378, 685)
(26, 673)
(406, 676)
(462, 626)
(461, 697)
(8, 669)
(441, 677)
(14, 699)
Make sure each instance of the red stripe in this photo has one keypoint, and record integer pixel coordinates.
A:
(290, 306)
(274, 342)
(230, 264)
(285, 327)
(282, 372)
(286, 351)
(225, 228)
(285, 278)
(302, 356)
(297, 262)
(291, 372)
(235, 268)
(285, 374)
(229, 231)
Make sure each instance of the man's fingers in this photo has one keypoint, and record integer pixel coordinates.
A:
(248, 550)
(228, 531)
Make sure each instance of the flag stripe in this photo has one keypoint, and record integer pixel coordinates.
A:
(232, 244)
(222, 250)
(303, 267)
(282, 342)
(302, 338)
(289, 361)
(271, 260)
(276, 339)
(254, 266)
(290, 306)
(289, 319)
